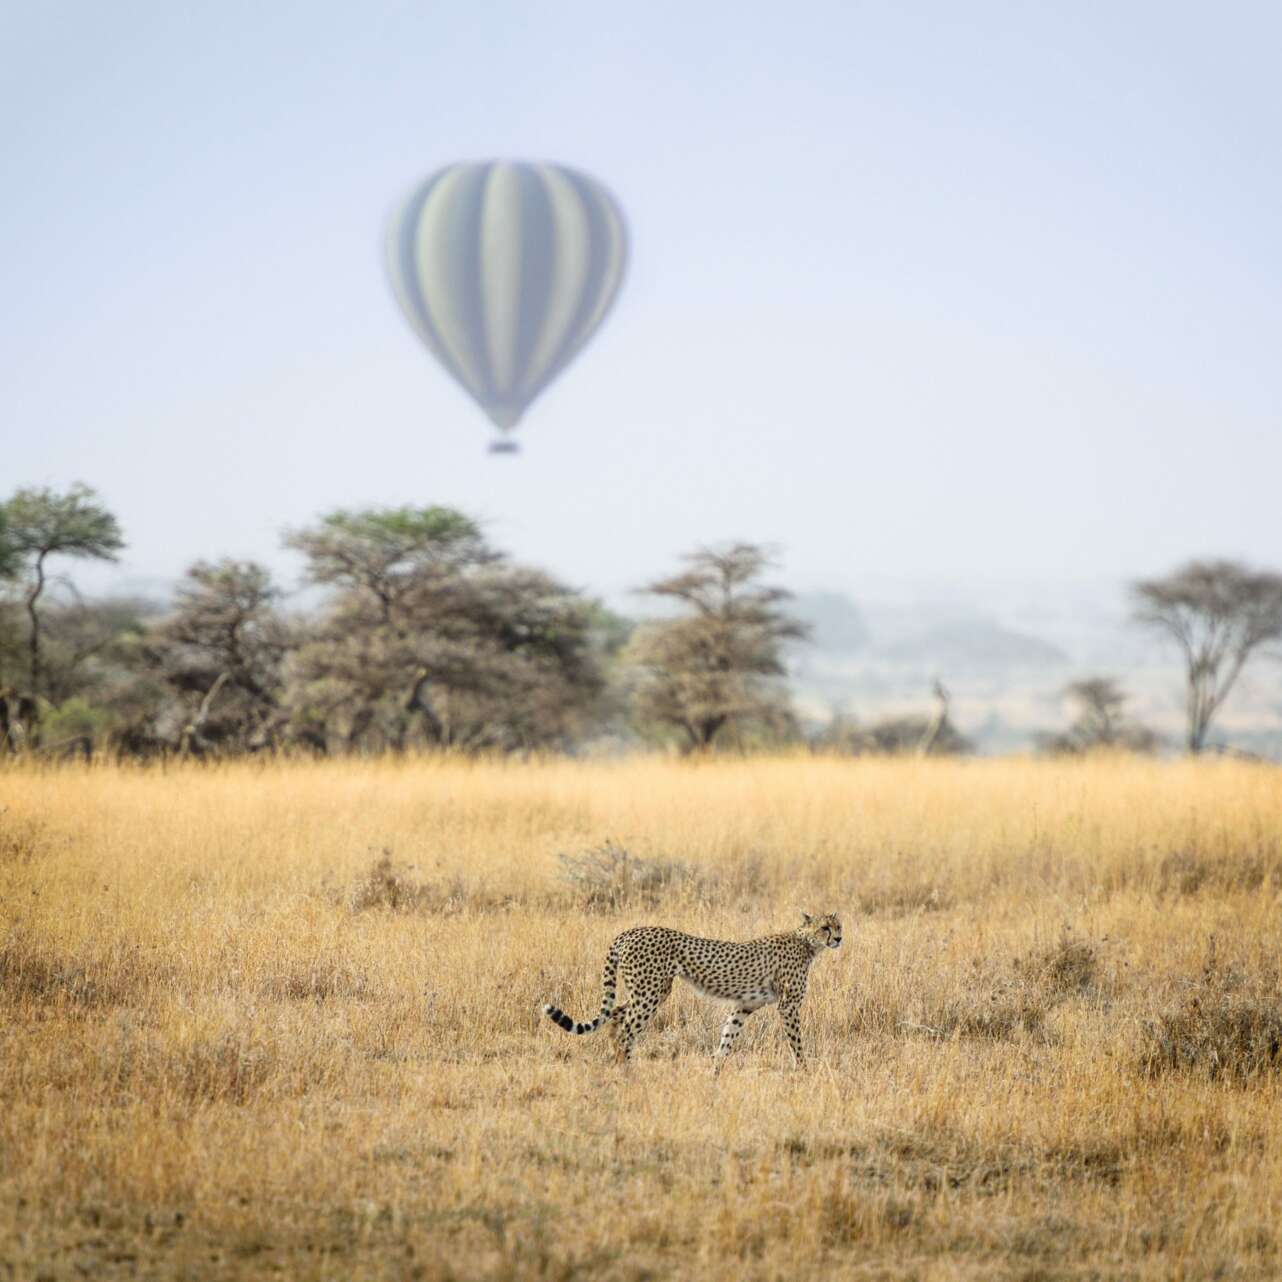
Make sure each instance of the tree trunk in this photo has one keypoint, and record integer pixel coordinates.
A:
(709, 728)
(360, 723)
(418, 703)
(191, 742)
(937, 722)
(34, 643)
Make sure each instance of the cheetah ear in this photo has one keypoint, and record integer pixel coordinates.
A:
(806, 919)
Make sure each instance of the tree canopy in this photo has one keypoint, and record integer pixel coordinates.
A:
(432, 636)
(383, 551)
(43, 522)
(40, 523)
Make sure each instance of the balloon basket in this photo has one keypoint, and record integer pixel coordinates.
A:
(504, 447)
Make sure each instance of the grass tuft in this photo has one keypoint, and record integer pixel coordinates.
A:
(1226, 1024)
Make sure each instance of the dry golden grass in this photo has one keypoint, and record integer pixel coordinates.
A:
(282, 1019)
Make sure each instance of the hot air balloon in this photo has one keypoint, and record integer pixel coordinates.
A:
(505, 270)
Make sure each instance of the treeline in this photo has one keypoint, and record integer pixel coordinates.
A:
(420, 634)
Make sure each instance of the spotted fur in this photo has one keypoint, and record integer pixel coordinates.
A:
(750, 975)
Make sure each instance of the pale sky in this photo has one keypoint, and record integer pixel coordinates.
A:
(916, 289)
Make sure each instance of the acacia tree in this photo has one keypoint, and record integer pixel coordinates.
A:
(1218, 613)
(432, 637)
(1100, 720)
(361, 665)
(221, 654)
(719, 663)
(43, 523)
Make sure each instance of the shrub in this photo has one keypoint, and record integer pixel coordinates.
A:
(997, 1002)
(390, 885)
(1223, 1025)
(1184, 872)
(608, 878)
(33, 971)
(1066, 970)
(393, 887)
(903, 898)
(21, 840)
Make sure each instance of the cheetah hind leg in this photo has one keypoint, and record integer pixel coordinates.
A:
(639, 1011)
(617, 1016)
(730, 1031)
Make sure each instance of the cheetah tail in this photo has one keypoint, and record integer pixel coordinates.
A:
(608, 993)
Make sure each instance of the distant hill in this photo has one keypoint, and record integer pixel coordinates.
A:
(836, 622)
(971, 645)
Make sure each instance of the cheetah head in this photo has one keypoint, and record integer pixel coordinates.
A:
(823, 932)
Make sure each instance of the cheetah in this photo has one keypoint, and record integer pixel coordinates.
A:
(751, 975)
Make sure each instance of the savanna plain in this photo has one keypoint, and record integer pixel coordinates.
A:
(283, 1019)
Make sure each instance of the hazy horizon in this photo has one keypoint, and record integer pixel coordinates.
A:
(913, 295)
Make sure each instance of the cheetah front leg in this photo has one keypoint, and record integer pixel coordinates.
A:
(730, 1031)
(790, 1013)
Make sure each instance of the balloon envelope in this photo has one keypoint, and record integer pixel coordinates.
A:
(505, 270)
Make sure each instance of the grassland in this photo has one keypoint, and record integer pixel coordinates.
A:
(281, 1019)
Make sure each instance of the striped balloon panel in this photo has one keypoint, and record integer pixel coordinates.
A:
(505, 270)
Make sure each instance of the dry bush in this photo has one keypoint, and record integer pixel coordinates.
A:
(997, 1000)
(935, 1160)
(988, 1007)
(743, 877)
(902, 899)
(394, 887)
(232, 1054)
(1185, 872)
(316, 979)
(229, 1065)
(1226, 1024)
(33, 970)
(607, 878)
(22, 839)
(1068, 969)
